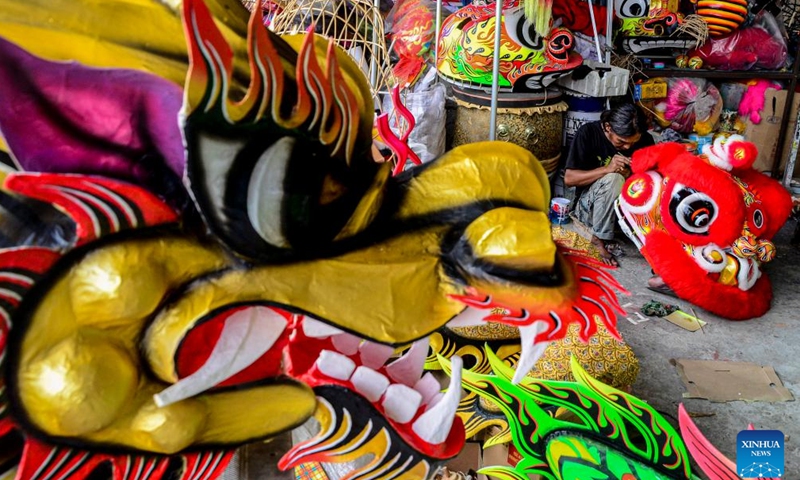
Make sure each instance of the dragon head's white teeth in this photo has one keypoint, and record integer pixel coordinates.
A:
(346, 343)
(246, 336)
(428, 387)
(434, 425)
(335, 365)
(315, 329)
(374, 355)
(470, 317)
(408, 368)
(531, 352)
(369, 383)
(400, 403)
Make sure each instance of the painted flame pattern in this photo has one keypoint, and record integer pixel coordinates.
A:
(593, 301)
(626, 423)
(346, 437)
(324, 105)
(467, 41)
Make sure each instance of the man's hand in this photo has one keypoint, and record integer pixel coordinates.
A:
(583, 178)
(619, 164)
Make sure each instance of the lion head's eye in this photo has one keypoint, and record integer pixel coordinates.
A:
(632, 8)
(758, 218)
(521, 30)
(693, 211)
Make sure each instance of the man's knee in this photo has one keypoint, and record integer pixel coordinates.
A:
(612, 180)
(609, 185)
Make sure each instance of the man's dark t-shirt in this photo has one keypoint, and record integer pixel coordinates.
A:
(591, 149)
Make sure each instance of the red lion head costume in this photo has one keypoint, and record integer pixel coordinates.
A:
(705, 223)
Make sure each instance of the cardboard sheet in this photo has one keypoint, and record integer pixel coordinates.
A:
(468, 459)
(720, 381)
(765, 133)
(495, 455)
(473, 457)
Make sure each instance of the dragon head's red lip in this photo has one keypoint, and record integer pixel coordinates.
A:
(322, 356)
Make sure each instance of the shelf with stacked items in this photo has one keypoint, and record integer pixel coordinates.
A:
(789, 77)
(736, 36)
(717, 74)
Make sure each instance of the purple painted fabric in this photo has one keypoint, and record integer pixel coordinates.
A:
(66, 117)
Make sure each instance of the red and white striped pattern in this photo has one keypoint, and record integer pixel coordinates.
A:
(20, 268)
(46, 462)
(99, 206)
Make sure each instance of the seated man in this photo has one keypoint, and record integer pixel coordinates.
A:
(598, 164)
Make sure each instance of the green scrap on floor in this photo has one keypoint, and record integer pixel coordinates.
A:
(654, 308)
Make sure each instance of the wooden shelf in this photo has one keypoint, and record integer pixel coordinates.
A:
(725, 74)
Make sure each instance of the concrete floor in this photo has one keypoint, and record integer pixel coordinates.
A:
(773, 340)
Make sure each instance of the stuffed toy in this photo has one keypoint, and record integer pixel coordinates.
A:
(705, 225)
(753, 99)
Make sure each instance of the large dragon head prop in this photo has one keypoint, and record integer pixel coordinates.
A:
(652, 27)
(529, 62)
(705, 223)
(137, 339)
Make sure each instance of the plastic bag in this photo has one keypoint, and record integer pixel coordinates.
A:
(692, 104)
(760, 45)
(426, 103)
(732, 94)
(585, 46)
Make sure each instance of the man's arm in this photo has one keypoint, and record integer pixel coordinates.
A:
(582, 178)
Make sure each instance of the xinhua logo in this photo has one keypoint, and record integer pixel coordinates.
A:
(759, 454)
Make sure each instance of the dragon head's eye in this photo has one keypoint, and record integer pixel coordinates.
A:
(521, 30)
(632, 8)
(693, 211)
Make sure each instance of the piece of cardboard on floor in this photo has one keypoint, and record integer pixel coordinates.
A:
(720, 381)
(496, 455)
(468, 459)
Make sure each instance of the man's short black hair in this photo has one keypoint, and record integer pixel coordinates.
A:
(625, 119)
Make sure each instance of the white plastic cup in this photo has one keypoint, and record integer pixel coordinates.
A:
(559, 210)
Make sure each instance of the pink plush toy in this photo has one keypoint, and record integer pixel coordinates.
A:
(753, 99)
